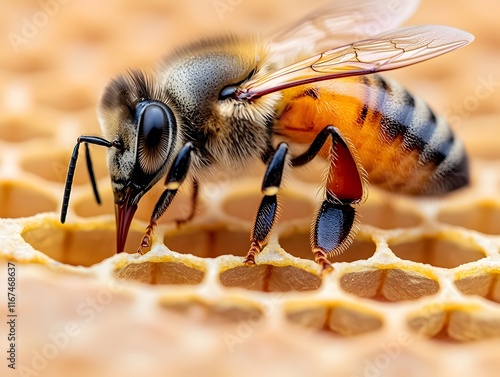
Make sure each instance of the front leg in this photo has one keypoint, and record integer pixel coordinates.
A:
(175, 177)
(266, 215)
(333, 231)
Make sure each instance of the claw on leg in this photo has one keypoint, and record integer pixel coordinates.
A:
(146, 240)
(321, 259)
(255, 248)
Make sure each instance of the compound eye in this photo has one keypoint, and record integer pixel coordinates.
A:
(154, 121)
(156, 133)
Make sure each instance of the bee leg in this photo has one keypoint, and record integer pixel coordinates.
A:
(266, 214)
(333, 229)
(194, 204)
(175, 177)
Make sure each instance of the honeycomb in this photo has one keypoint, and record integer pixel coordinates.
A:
(417, 294)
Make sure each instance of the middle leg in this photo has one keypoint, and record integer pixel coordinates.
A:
(266, 215)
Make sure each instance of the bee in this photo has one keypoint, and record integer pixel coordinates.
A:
(310, 91)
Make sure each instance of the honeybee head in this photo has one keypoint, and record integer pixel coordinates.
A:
(139, 118)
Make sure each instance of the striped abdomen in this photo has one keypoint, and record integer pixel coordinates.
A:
(397, 138)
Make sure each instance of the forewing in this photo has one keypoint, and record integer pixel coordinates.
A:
(340, 22)
(391, 50)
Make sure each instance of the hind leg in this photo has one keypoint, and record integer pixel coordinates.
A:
(333, 228)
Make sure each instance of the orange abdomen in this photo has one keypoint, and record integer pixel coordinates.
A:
(396, 138)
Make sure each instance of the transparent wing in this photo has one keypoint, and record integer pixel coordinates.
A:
(340, 22)
(391, 50)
